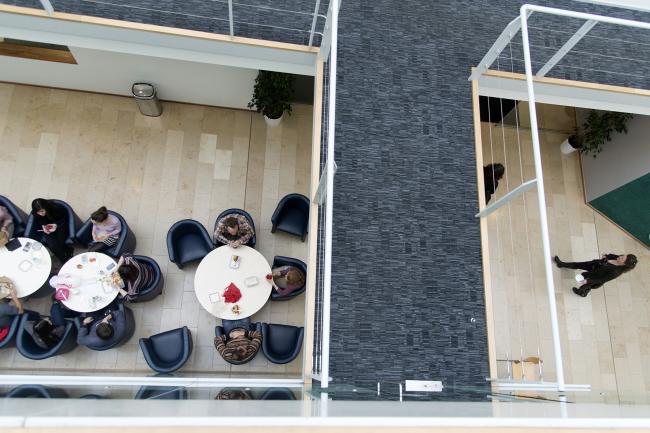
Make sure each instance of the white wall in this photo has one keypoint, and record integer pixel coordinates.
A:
(112, 72)
(624, 159)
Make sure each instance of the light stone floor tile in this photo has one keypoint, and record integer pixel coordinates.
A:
(192, 162)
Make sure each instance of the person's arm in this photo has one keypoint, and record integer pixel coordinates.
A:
(17, 302)
(220, 344)
(218, 233)
(115, 227)
(611, 256)
(246, 228)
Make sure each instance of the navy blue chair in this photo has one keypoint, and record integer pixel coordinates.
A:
(229, 325)
(29, 349)
(156, 287)
(188, 241)
(168, 351)
(292, 215)
(129, 330)
(277, 394)
(19, 216)
(10, 339)
(281, 344)
(289, 261)
(36, 391)
(251, 243)
(74, 224)
(125, 243)
(161, 393)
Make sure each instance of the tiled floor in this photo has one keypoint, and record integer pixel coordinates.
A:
(606, 336)
(192, 162)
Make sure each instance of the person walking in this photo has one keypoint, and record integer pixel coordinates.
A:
(599, 271)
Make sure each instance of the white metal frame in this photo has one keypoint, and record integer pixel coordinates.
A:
(502, 41)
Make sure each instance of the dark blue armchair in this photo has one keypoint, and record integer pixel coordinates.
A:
(117, 340)
(251, 243)
(289, 261)
(188, 241)
(292, 215)
(74, 224)
(229, 325)
(281, 344)
(29, 349)
(36, 391)
(10, 339)
(125, 243)
(19, 216)
(277, 394)
(156, 287)
(161, 393)
(168, 351)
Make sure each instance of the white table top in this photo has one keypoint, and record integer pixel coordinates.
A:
(214, 274)
(28, 269)
(92, 294)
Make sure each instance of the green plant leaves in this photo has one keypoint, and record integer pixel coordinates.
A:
(598, 129)
(272, 93)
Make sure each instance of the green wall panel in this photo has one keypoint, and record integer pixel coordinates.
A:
(629, 207)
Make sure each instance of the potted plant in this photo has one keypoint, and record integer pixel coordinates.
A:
(272, 95)
(596, 131)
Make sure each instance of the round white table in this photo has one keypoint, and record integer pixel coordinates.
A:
(27, 269)
(94, 291)
(214, 274)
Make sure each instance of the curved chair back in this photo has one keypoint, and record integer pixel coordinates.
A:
(74, 224)
(168, 351)
(161, 393)
(156, 287)
(289, 261)
(281, 344)
(19, 216)
(251, 243)
(29, 349)
(125, 243)
(10, 339)
(36, 391)
(277, 394)
(188, 241)
(129, 330)
(292, 215)
(229, 325)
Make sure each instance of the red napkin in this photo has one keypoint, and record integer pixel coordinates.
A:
(232, 294)
(4, 332)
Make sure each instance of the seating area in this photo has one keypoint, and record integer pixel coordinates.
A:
(166, 327)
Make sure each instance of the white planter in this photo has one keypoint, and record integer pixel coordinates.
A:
(566, 148)
(273, 122)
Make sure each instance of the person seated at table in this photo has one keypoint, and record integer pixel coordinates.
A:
(106, 230)
(287, 278)
(8, 311)
(102, 331)
(233, 394)
(240, 345)
(135, 276)
(45, 331)
(233, 230)
(6, 225)
(52, 218)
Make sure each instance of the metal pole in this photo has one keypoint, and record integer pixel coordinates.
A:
(313, 23)
(232, 27)
(546, 244)
(48, 6)
(331, 122)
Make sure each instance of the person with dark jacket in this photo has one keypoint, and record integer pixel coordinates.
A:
(599, 271)
(102, 331)
(51, 220)
(492, 174)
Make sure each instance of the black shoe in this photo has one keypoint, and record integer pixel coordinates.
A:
(579, 293)
(559, 263)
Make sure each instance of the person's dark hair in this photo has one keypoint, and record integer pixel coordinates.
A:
(99, 215)
(104, 330)
(233, 394)
(128, 272)
(630, 262)
(499, 170)
(43, 329)
(231, 222)
(42, 204)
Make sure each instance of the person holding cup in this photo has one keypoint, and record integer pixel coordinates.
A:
(52, 219)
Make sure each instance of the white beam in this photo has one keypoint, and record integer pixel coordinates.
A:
(568, 45)
(526, 186)
(47, 6)
(313, 23)
(230, 22)
(326, 40)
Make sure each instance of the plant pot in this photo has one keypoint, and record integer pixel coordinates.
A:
(568, 146)
(273, 122)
